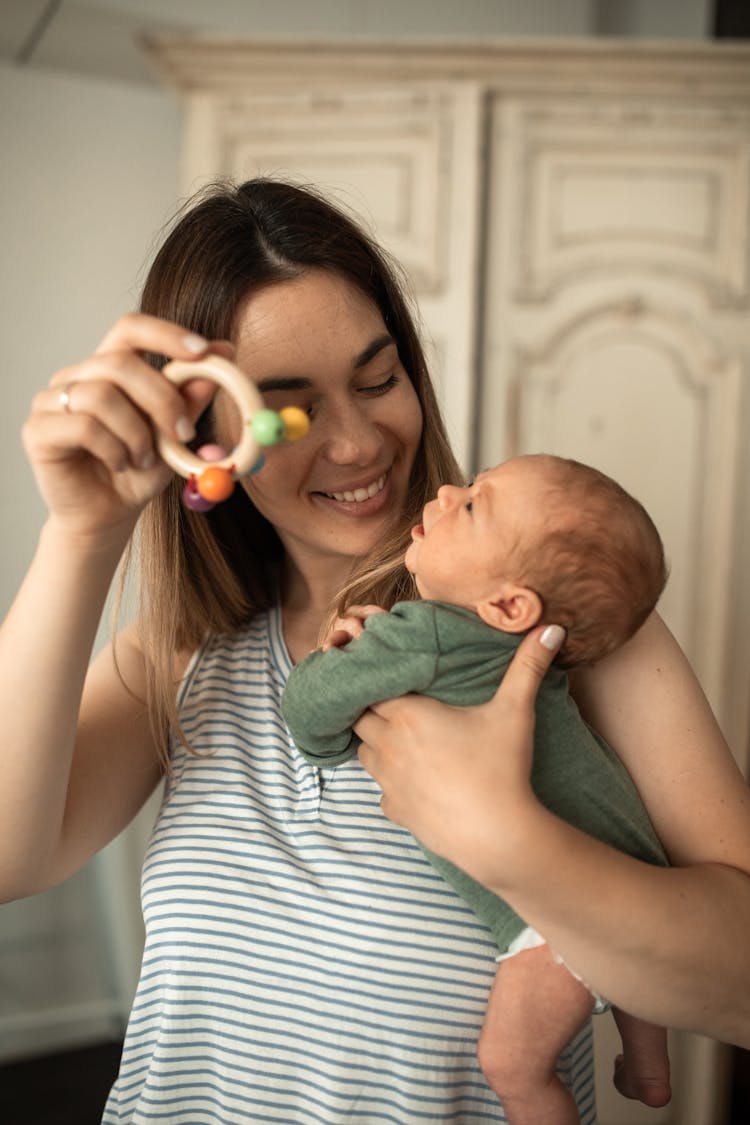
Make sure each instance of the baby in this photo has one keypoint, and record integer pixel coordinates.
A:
(536, 539)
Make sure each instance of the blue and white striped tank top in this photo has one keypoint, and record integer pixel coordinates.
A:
(304, 964)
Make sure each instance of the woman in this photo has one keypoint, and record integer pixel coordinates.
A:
(302, 963)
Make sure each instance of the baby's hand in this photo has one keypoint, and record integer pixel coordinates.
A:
(349, 626)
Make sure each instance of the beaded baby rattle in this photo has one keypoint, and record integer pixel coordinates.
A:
(211, 472)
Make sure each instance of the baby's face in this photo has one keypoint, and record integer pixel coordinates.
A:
(468, 536)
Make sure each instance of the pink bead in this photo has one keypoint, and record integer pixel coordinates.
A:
(212, 452)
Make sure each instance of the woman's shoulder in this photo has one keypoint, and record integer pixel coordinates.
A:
(256, 650)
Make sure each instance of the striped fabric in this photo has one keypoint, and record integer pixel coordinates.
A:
(304, 963)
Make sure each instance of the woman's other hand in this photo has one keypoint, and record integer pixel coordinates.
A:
(459, 777)
(90, 434)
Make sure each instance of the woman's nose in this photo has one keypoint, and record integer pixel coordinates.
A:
(353, 437)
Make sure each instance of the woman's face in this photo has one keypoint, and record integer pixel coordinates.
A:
(316, 342)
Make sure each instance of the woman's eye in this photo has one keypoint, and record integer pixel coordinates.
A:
(469, 505)
(380, 388)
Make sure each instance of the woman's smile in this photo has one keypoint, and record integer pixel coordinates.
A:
(360, 499)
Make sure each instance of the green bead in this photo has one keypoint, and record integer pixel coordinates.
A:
(268, 427)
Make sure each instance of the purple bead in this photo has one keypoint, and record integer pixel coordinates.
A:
(193, 500)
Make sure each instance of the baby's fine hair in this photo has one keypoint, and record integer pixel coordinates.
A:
(599, 568)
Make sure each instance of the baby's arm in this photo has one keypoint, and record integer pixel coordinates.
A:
(329, 690)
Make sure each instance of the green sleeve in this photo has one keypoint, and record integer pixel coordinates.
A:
(328, 691)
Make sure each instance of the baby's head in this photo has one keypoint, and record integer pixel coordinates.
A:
(543, 539)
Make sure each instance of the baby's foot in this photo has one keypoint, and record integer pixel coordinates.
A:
(644, 1081)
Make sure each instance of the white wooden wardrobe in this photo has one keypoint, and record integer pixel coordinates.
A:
(574, 218)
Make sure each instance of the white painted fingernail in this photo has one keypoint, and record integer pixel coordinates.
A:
(184, 429)
(552, 637)
(194, 343)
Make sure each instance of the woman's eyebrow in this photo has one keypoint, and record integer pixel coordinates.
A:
(373, 349)
(300, 383)
(284, 383)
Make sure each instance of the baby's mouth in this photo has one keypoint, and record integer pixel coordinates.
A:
(358, 495)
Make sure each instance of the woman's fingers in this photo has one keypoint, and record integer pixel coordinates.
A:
(104, 385)
(140, 332)
(452, 774)
(530, 665)
(51, 439)
(93, 407)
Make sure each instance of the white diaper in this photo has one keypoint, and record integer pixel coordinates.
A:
(530, 939)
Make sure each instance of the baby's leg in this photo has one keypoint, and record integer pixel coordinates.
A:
(535, 1008)
(642, 1070)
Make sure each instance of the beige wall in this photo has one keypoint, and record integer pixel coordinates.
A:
(89, 175)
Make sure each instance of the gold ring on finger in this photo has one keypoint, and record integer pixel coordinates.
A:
(63, 399)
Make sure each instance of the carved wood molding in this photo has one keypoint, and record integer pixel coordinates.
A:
(203, 62)
(671, 197)
(388, 157)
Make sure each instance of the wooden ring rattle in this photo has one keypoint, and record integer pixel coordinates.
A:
(211, 472)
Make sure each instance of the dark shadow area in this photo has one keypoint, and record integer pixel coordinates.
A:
(70, 1088)
(731, 19)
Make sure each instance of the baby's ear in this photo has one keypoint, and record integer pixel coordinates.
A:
(514, 609)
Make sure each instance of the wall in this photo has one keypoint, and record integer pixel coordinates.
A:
(90, 173)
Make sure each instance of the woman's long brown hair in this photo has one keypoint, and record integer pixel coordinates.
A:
(209, 573)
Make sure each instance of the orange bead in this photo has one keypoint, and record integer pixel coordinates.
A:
(215, 484)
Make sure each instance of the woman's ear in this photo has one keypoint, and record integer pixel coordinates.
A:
(514, 609)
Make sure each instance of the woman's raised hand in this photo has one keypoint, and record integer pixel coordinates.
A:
(90, 434)
(459, 777)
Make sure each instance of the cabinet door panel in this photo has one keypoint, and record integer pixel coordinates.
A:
(407, 162)
(616, 332)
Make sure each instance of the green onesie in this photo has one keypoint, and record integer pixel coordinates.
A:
(450, 654)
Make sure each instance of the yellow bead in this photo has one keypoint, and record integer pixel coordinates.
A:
(296, 421)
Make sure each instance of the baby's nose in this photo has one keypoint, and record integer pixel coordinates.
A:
(448, 495)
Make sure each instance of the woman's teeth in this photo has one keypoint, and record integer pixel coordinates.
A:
(360, 494)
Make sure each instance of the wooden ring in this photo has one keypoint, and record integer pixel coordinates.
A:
(247, 399)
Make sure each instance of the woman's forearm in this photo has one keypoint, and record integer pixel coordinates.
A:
(667, 944)
(45, 647)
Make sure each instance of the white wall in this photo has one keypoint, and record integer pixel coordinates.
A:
(90, 173)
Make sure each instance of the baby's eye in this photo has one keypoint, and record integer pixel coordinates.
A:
(469, 505)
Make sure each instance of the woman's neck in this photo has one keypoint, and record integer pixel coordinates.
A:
(305, 603)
